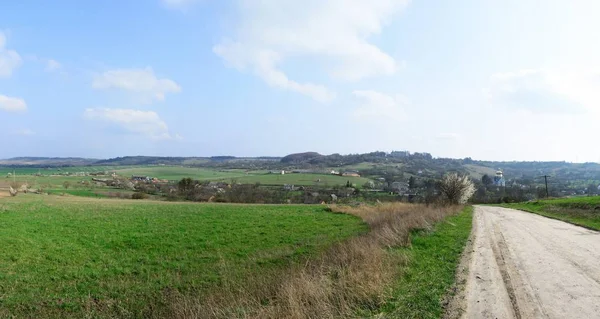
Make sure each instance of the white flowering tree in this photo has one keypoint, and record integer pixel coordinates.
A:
(457, 189)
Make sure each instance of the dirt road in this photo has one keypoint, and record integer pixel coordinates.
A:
(527, 266)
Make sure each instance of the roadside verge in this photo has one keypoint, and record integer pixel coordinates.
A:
(429, 280)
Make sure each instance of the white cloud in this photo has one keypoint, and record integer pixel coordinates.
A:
(24, 132)
(52, 65)
(9, 59)
(379, 107)
(546, 91)
(146, 123)
(12, 104)
(323, 32)
(142, 82)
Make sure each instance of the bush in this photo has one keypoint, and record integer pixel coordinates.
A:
(456, 189)
(139, 195)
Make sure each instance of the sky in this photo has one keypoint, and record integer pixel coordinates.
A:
(490, 80)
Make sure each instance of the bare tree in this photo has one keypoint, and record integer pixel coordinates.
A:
(457, 189)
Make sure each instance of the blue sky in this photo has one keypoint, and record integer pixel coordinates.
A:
(504, 80)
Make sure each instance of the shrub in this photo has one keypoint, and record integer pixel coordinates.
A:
(456, 189)
(139, 195)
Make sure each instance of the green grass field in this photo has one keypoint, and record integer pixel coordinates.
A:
(582, 211)
(433, 259)
(179, 172)
(174, 173)
(50, 178)
(301, 179)
(240, 176)
(58, 170)
(77, 192)
(66, 256)
(476, 171)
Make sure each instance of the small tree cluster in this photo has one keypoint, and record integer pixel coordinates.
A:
(456, 189)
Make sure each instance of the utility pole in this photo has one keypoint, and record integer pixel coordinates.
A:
(546, 180)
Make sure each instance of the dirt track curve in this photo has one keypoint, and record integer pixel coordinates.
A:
(528, 266)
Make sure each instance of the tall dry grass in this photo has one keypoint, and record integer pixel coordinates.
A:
(351, 276)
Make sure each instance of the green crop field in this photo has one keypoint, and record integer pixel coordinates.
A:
(179, 172)
(51, 178)
(66, 256)
(58, 170)
(240, 176)
(301, 179)
(37, 182)
(582, 211)
(76, 192)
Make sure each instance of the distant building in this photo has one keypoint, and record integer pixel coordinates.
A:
(499, 179)
(141, 178)
(351, 174)
(399, 187)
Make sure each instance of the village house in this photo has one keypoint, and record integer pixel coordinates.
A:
(351, 174)
(145, 179)
(399, 187)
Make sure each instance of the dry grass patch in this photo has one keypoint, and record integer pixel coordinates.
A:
(352, 277)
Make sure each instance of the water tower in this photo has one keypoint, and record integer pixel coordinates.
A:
(499, 179)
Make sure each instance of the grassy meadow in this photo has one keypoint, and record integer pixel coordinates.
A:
(52, 179)
(179, 172)
(57, 170)
(301, 179)
(75, 256)
(582, 211)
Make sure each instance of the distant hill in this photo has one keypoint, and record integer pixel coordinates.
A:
(127, 160)
(47, 161)
(300, 157)
(146, 160)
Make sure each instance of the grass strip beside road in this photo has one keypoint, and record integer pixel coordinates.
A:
(433, 259)
(583, 211)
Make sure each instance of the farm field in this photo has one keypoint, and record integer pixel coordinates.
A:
(179, 172)
(582, 211)
(57, 170)
(50, 178)
(240, 176)
(63, 256)
(301, 179)
(47, 182)
(175, 173)
(477, 171)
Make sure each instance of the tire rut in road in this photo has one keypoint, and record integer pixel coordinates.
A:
(525, 303)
